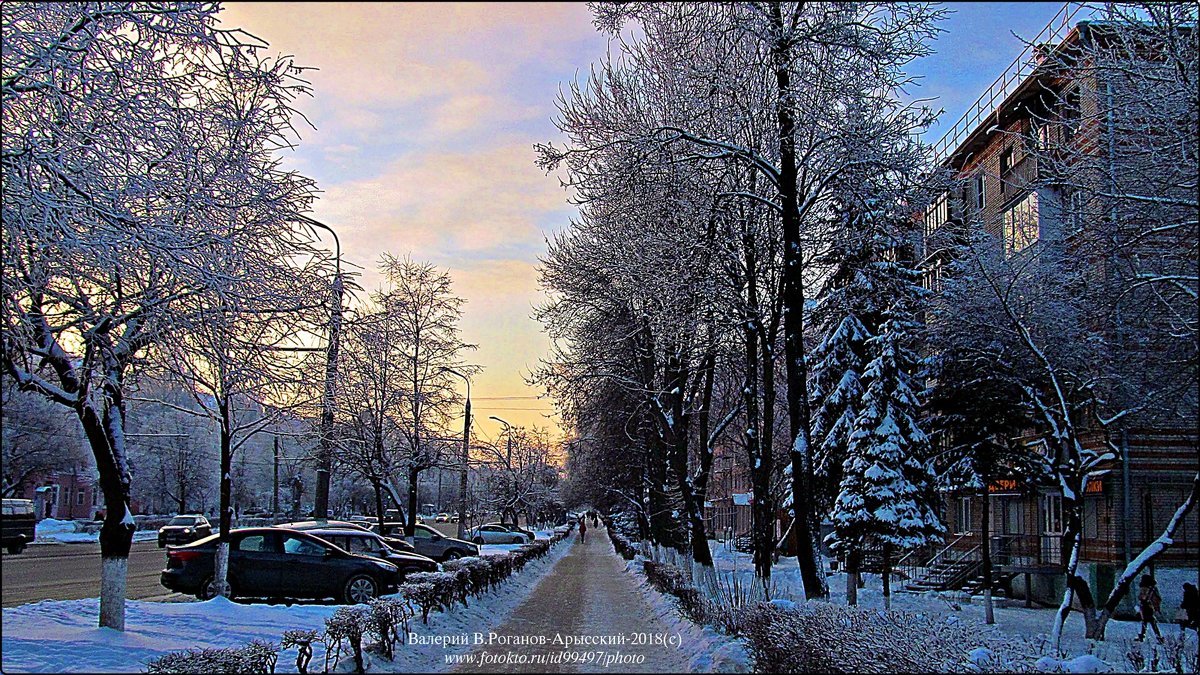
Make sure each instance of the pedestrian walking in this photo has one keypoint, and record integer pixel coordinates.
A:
(595, 519)
(1149, 602)
(1189, 609)
(583, 529)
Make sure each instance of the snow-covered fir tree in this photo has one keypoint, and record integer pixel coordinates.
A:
(886, 495)
(847, 314)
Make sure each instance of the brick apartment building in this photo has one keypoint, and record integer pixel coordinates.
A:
(1000, 187)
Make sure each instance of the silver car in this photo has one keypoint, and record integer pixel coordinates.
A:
(496, 534)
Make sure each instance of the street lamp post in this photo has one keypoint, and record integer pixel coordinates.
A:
(466, 454)
(325, 457)
(508, 433)
(508, 461)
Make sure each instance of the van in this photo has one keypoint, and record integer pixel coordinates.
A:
(18, 524)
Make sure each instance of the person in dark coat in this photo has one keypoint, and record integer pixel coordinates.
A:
(1149, 602)
(1190, 607)
(583, 528)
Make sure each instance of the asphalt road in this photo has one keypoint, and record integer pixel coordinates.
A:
(72, 572)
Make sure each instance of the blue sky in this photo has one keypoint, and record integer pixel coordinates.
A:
(426, 117)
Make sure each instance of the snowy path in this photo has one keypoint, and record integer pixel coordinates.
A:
(587, 594)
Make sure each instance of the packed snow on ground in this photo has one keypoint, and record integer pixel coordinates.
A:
(52, 531)
(57, 636)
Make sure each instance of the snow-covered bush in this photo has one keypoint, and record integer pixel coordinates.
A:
(622, 545)
(500, 570)
(445, 584)
(478, 569)
(1175, 654)
(826, 638)
(348, 624)
(255, 657)
(388, 619)
(424, 595)
(302, 641)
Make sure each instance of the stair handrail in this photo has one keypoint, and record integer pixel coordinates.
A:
(909, 569)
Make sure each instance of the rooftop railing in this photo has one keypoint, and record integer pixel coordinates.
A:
(1021, 67)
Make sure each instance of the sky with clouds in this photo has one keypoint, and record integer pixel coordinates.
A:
(426, 116)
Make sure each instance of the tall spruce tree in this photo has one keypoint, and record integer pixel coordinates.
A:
(886, 494)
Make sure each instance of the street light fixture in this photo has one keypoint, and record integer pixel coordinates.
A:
(325, 457)
(508, 433)
(466, 454)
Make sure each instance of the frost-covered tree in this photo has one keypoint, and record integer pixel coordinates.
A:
(427, 314)
(132, 136)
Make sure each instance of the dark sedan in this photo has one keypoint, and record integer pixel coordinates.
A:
(395, 543)
(266, 562)
(371, 544)
(183, 530)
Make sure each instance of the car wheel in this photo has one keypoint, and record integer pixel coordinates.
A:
(453, 554)
(518, 540)
(360, 588)
(478, 540)
(16, 548)
(162, 544)
(208, 589)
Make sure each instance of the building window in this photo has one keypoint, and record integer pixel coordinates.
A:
(1069, 113)
(79, 497)
(938, 213)
(1021, 225)
(1075, 216)
(964, 515)
(1006, 166)
(933, 276)
(1052, 514)
(980, 196)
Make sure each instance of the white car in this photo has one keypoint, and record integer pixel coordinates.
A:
(497, 534)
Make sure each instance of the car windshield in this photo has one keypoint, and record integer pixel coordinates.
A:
(182, 520)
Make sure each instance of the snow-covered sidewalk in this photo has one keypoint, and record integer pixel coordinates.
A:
(57, 636)
(587, 597)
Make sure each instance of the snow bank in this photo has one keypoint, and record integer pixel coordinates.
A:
(51, 531)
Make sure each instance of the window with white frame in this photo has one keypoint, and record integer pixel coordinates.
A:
(964, 515)
(1021, 224)
(980, 191)
(1052, 514)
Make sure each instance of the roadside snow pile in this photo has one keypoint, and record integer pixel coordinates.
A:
(50, 530)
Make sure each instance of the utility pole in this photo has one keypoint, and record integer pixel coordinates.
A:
(466, 455)
(325, 456)
(275, 491)
(508, 463)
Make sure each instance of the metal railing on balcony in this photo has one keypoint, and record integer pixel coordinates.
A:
(1021, 67)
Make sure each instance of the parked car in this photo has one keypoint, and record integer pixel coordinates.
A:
(433, 544)
(371, 544)
(396, 543)
(442, 518)
(512, 527)
(454, 518)
(269, 562)
(494, 533)
(18, 524)
(183, 530)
